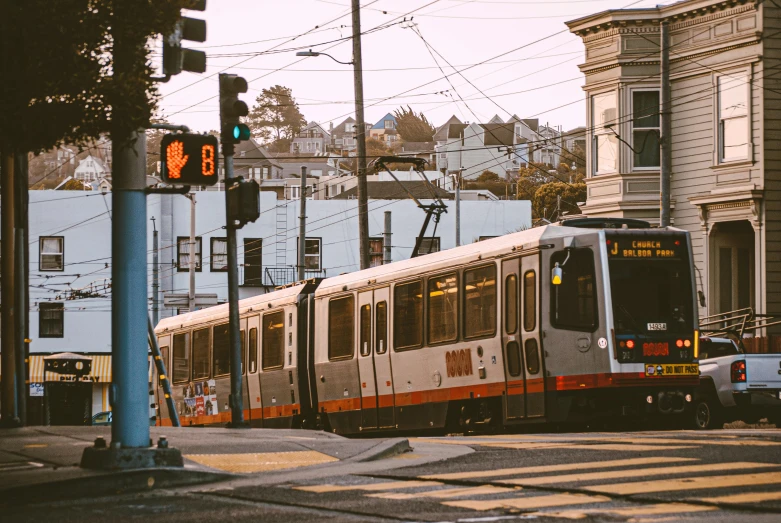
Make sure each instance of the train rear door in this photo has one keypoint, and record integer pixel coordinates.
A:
(377, 405)
(515, 407)
(533, 368)
(253, 376)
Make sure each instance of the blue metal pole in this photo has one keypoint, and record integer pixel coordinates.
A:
(130, 367)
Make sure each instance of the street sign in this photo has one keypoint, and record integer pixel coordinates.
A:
(189, 159)
(183, 300)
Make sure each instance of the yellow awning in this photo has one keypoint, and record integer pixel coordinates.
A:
(99, 373)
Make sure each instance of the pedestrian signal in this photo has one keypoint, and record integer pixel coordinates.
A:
(189, 159)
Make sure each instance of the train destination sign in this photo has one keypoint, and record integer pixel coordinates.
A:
(189, 159)
(644, 248)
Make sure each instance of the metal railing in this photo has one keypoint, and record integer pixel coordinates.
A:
(736, 323)
(278, 276)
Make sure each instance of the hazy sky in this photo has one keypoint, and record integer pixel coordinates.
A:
(252, 38)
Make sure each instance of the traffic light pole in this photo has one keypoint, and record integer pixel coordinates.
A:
(236, 400)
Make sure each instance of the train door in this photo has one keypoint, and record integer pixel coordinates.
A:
(386, 403)
(275, 382)
(366, 371)
(533, 368)
(253, 376)
(511, 341)
(377, 400)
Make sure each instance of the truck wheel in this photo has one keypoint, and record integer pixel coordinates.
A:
(706, 415)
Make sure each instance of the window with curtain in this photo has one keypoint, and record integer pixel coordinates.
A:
(605, 143)
(51, 322)
(734, 136)
(219, 259)
(183, 253)
(52, 253)
(645, 128)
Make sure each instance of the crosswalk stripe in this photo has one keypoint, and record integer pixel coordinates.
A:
(390, 485)
(635, 473)
(527, 503)
(747, 497)
(447, 493)
(618, 447)
(692, 483)
(643, 510)
(541, 469)
(714, 441)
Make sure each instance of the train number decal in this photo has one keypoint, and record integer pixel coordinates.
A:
(459, 363)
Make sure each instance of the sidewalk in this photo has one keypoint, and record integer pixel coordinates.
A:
(42, 463)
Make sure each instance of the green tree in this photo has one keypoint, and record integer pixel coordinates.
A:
(545, 203)
(413, 127)
(276, 116)
(59, 84)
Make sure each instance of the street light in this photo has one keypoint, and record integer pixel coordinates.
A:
(360, 132)
(315, 53)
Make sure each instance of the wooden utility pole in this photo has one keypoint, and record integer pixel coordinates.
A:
(360, 138)
(10, 412)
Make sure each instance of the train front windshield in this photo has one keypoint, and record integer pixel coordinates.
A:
(651, 291)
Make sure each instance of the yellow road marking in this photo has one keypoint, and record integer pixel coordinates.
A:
(748, 497)
(36, 445)
(644, 510)
(261, 462)
(542, 469)
(390, 485)
(619, 447)
(635, 473)
(447, 493)
(528, 503)
(714, 441)
(701, 482)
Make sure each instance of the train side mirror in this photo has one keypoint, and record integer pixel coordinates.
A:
(557, 274)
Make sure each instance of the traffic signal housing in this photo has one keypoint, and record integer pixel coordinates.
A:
(176, 58)
(232, 131)
(243, 202)
(189, 159)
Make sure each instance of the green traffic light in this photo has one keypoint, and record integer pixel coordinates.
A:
(240, 132)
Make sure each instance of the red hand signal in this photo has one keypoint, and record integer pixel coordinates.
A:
(176, 159)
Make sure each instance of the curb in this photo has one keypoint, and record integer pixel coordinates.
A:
(137, 480)
(385, 449)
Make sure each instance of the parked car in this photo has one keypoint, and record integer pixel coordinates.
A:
(735, 385)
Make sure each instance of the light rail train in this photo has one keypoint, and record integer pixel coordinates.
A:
(562, 323)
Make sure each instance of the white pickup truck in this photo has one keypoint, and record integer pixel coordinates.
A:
(735, 385)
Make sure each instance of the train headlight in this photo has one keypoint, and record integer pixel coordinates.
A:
(557, 273)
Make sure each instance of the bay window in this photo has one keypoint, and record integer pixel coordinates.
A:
(605, 142)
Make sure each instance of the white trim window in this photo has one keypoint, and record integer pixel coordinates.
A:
(219, 259)
(645, 129)
(389, 124)
(51, 253)
(295, 192)
(605, 142)
(312, 254)
(732, 94)
(349, 127)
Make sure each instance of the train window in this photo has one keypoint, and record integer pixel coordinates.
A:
(513, 358)
(243, 339)
(408, 315)
(529, 301)
(511, 304)
(341, 328)
(201, 354)
(273, 346)
(480, 301)
(532, 356)
(573, 302)
(366, 330)
(164, 357)
(253, 350)
(181, 366)
(381, 328)
(443, 308)
(221, 350)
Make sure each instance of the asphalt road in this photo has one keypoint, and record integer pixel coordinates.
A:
(612, 477)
